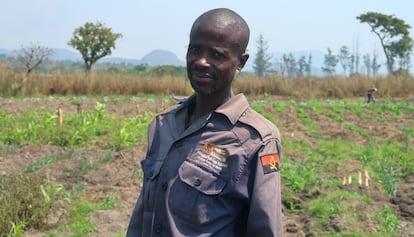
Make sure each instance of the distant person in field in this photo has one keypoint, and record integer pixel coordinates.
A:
(371, 97)
(212, 164)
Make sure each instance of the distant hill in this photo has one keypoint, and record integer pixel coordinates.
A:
(154, 58)
(65, 55)
(162, 57)
(4, 52)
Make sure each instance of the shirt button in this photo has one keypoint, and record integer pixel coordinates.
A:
(197, 182)
(164, 185)
(158, 228)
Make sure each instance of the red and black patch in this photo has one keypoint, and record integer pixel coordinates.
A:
(270, 163)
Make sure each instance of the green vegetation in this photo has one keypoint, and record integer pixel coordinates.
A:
(316, 168)
(33, 127)
(26, 201)
(317, 160)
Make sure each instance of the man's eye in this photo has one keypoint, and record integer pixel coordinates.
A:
(218, 54)
(194, 49)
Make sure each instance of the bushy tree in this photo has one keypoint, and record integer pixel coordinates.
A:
(94, 41)
(393, 34)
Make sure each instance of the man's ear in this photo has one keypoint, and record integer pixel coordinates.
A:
(243, 59)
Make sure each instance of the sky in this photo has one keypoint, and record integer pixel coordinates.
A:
(287, 26)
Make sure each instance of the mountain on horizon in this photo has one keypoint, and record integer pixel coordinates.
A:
(154, 58)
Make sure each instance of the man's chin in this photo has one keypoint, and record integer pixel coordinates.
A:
(202, 90)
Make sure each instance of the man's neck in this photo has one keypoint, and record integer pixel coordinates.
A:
(204, 105)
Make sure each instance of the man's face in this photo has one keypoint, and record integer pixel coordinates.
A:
(212, 60)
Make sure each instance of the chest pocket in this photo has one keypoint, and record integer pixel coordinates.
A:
(195, 195)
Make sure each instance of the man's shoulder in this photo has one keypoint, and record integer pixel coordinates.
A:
(262, 125)
(181, 102)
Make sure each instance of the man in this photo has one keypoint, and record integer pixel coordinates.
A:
(371, 91)
(212, 165)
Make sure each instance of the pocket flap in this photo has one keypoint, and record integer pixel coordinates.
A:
(151, 167)
(200, 179)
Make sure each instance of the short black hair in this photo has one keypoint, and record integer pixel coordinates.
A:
(232, 20)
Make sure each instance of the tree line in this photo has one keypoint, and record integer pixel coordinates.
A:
(95, 41)
(392, 32)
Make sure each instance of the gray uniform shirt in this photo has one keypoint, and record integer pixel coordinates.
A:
(218, 177)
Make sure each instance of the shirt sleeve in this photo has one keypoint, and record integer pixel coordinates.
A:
(265, 214)
(135, 228)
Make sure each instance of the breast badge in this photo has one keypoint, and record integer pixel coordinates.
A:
(211, 157)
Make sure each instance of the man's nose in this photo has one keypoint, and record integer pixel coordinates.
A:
(203, 61)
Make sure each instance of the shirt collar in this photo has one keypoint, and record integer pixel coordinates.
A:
(234, 108)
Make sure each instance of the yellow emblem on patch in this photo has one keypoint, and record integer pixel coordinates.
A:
(216, 151)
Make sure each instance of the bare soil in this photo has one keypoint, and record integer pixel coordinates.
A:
(120, 175)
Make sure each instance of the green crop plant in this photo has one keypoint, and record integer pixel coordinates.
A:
(341, 204)
(332, 149)
(303, 116)
(26, 201)
(357, 108)
(357, 129)
(337, 108)
(79, 214)
(16, 229)
(298, 175)
(258, 107)
(279, 106)
(390, 225)
(48, 160)
(77, 130)
(326, 206)
(300, 145)
(395, 109)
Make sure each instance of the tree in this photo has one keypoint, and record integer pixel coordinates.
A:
(375, 65)
(93, 41)
(290, 64)
(393, 34)
(367, 62)
(262, 61)
(330, 63)
(344, 57)
(308, 67)
(31, 57)
(302, 65)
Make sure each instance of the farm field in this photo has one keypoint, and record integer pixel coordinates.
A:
(347, 166)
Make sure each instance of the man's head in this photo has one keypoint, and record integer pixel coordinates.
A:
(217, 50)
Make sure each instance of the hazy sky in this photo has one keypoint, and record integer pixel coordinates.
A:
(287, 26)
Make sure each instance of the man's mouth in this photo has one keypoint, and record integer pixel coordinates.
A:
(202, 77)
